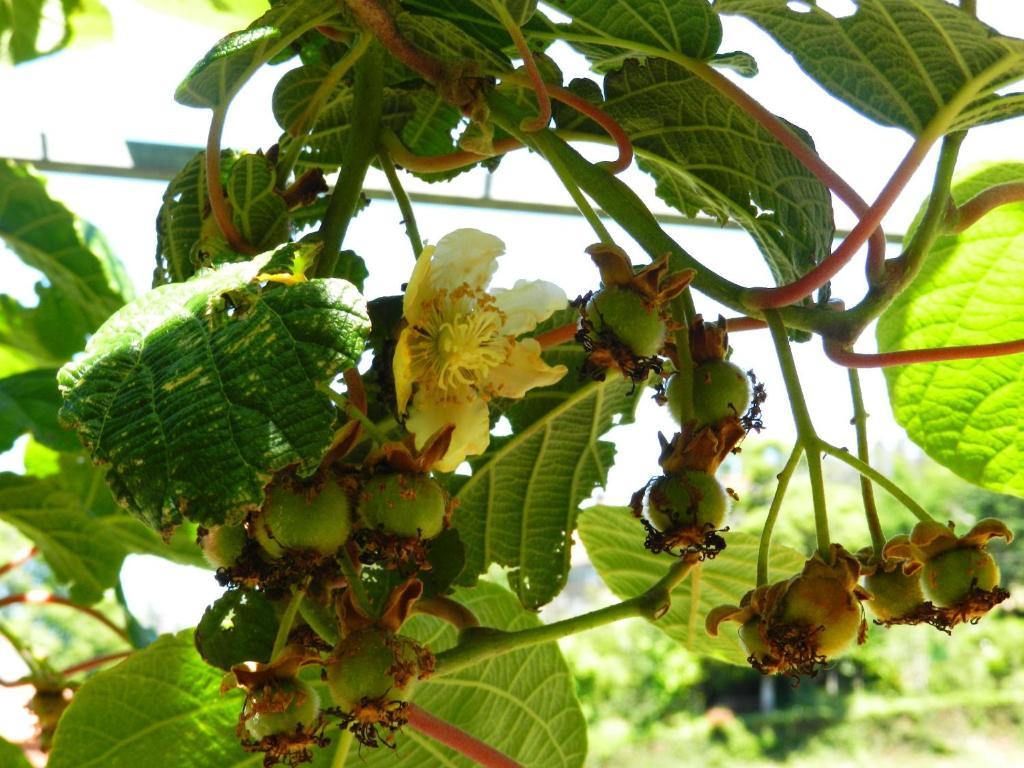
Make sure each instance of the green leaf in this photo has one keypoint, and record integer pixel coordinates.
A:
(197, 392)
(519, 507)
(448, 42)
(642, 28)
(179, 224)
(11, 756)
(615, 543)
(966, 414)
(260, 214)
(518, 11)
(79, 549)
(215, 80)
(740, 62)
(240, 626)
(482, 25)
(904, 63)
(81, 291)
(706, 154)
(25, 23)
(161, 706)
(216, 14)
(29, 403)
(522, 703)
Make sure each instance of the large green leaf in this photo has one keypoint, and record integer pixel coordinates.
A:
(615, 543)
(11, 756)
(29, 402)
(448, 42)
(197, 392)
(967, 414)
(519, 507)
(522, 703)
(80, 549)
(642, 27)
(707, 154)
(82, 289)
(258, 211)
(24, 24)
(215, 80)
(900, 62)
(473, 19)
(162, 706)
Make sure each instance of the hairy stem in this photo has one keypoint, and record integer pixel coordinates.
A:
(764, 549)
(684, 359)
(440, 163)
(456, 738)
(214, 188)
(992, 198)
(287, 621)
(99, 661)
(446, 609)
(375, 18)
(561, 335)
(348, 570)
(341, 751)
(540, 88)
(851, 359)
(806, 435)
(476, 645)
(867, 491)
(360, 148)
(404, 203)
(45, 598)
(20, 558)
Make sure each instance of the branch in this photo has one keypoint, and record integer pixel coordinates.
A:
(457, 739)
(214, 189)
(373, 16)
(45, 598)
(1003, 194)
(850, 359)
(537, 82)
(18, 560)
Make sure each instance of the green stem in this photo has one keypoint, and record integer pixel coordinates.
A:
(764, 550)
(870, 472)
(360, 149)
(867, 491)
(298, 129)
(341, 752)
(404, 203)
(683, 315)
(34, 669)
(478, 644)
(369, 426)
(348, 569)
(287, 620)
(806, 435)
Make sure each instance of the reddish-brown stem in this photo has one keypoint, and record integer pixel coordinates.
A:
(556, 336)
(457, 739)
(18, 560)
(375, 18)
(850, 359)
(1003, 194)
(441, 163)
(446, 609)
(784, 295)
(338, 35)
(214, 190)
(734, 324)
(539, 86)
(606, 121)
(45, 598)
(803, 153)
(99, 661)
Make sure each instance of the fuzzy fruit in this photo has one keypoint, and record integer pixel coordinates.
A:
(894, 595)
(948, 577)
(364, 667)
(405, 505)
(826, 609)
(689, 499)
(627, 315)
(291, 520)
(757, 649)
(301, 707)
(222, 545)
(720, 389)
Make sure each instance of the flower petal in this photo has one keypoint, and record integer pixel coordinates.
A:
(401, 367)
(527, 303)
(472, 434)
(418, 290)
(464, 256)
(522, 370)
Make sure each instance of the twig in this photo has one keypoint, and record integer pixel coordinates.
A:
(404, 204)
(96, 662)
(983, 202)
(446, 609)
(457, 739)
(19, 560)
(214, 190)
(850, 359)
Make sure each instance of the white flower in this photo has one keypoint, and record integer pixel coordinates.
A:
(459, 347)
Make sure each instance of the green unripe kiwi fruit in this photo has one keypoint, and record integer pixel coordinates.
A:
(696, 499)
(823, 607)
(626, 315)
(300, 712)
(291, 520)
(750, 636)
(404, 505)
(720, 389)
(362, 668)
(947, 578)
(222, 545)
(893, 594)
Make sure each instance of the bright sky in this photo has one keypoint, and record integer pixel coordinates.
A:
(89, 102)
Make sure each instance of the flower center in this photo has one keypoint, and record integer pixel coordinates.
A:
(458, 341)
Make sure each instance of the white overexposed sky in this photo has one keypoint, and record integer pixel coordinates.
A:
(88, 102)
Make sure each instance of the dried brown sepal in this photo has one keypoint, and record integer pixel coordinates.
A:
(288, 748)
(654, 282)
(398, 608)
(253, 570)
(751, 420)
(406, 554)
(708, 341)
(374, 722)
(703, 449)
